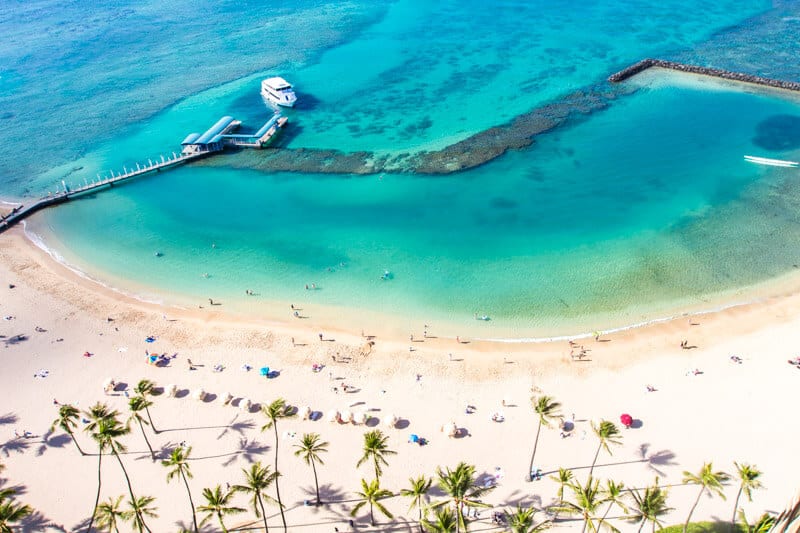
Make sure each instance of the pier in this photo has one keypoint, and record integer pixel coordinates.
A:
(194, 146)
(741, 77)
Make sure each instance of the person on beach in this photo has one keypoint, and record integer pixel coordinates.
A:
(320, 336)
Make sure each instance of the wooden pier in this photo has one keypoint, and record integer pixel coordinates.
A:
(213, 141)
(68, 193)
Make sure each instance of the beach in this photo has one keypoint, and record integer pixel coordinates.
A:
(78, 334)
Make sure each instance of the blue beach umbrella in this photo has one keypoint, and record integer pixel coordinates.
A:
(264, 371)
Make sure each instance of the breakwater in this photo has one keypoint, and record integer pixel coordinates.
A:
(740, 77)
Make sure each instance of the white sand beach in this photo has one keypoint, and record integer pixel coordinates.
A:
(731, 411)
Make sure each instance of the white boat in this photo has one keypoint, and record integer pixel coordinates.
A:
(771, 162)
(278, 91)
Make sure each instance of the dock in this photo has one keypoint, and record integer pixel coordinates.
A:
(218, 137)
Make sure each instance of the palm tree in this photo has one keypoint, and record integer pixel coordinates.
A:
(137, 404)
(608, 433)
(274, 412)
(547, 409)
(463, 491)
(444, 521)
(218, 504)
(748, 482)
(648, 507)
(68, 420)
(178, 461)
(588, 499)
(95, 414)
(371, 494)
(708, 480)
(11, 512)
(613, 495)
(144, 389)
(564, 478)
(419, 488)
(376, 449)
(521, 520)
(107, 432)
(139, 508)
(257, 480)
(109, 514)
(309, 449)
(764, 524)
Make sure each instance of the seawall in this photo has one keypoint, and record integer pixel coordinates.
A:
(741, 77)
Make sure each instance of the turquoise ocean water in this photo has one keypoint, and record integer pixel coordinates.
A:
(635, 211)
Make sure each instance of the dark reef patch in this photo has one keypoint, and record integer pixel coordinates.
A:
(778, 132)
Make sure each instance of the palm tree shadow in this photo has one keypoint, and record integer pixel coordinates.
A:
(59, 441)
(15, 445)
(328, 494)
(81, 526)
(659, 458)
(8, 418)
(523, 499)
(37, 522)
(249, 450)
(238, 427)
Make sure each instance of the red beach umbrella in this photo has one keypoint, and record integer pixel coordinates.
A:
(626, 420)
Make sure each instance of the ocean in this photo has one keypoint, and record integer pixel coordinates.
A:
(634, 205)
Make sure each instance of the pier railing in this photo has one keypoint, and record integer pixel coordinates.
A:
(68, 191)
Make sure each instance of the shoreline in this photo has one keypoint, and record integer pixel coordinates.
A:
(753, 296)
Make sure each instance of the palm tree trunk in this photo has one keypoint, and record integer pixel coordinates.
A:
(535, 445)
(686, 525)
(735, 506)
(608, 510)
(96, 498)
(375, 459)
(371, 516)
(152, 454)
(277, 486)
(596, 455)
(76, 443)
(191, 502)
(263, 511)
(147, 410)
(130, 488)
(316, 483)
(221, 523)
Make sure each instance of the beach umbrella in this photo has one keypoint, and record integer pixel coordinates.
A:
(333, 416)
(389, 421)
(264, 371)
(451, 429)
(305, 412)
(626, 420)
(199, 395)
(171, 390)
(245, 404)
(347, 417)
(109, 384)
(413, 438)
(360, 418)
